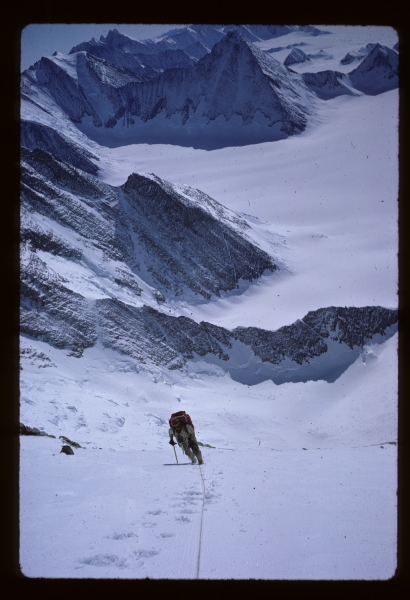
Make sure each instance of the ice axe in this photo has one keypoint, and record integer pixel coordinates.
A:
(176, 457)
(173, 444)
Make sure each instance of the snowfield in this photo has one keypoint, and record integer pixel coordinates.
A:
(299, 480)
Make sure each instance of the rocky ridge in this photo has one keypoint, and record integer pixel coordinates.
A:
(234, 80)
(159, 239)
(174, 238)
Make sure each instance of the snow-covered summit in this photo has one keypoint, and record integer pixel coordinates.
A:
(296, 56)
(255, 33)
(145, 58)
(357, 55)
(234, 94)
(378, 72)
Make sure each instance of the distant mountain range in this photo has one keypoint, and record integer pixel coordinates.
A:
(100, 262)
(228, 92)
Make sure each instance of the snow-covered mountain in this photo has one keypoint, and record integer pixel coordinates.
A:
(161, 240)
(35, 135)
(378, 72)
(235, 94)
(296, 56)
(119, 90)
(145, 59)
(173, 237)
(256, 33)
(172, 242)
(357, 55)
(205, 225)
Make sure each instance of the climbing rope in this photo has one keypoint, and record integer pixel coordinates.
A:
(200, 530)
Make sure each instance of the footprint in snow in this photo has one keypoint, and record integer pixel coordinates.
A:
(183, 519)
(145, 553)
(154, 512)
(166, 535)
(104, 560)
(122, 536)
(191, 496)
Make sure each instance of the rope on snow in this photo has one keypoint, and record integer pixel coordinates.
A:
(200, 530)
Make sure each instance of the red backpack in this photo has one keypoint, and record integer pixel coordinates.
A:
(180, 417)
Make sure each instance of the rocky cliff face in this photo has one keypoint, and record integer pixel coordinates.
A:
(329, 84)
(34, 135)
(296, 56)
(174, 238)
(233, 84)
(53, 313)
(145, 333)
(176, 226)
(378, 72)
(50, 311)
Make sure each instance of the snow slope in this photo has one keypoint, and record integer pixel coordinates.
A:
(300, 479)
(300, 483)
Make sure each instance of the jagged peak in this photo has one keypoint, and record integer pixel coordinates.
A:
(378, 54)
(235, 41)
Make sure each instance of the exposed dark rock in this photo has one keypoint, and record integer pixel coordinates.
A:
(26, 430)
(349, 58)
(328, 84)
(306, 339)
(357, 55)
(187, 239)
(59, 172)
(350, 325)
(158, 296)
(149, 335)
(35, 135)
(48, 242)
(70, 442)
(36, 357)
(71, 197)
(297, 342)
(67, 450)
(126, 280)
(183, 238)
(296, 56)
(52, 312)
(378, 72)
